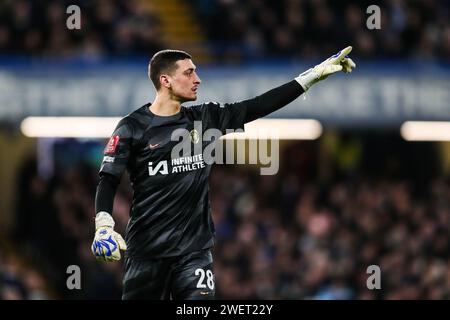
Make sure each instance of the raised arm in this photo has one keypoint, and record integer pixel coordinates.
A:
(281, 96)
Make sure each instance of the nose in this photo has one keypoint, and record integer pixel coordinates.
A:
(197, 79)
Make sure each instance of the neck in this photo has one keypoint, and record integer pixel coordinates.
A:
(164, 105)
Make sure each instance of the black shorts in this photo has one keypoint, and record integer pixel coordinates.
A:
(188, 277)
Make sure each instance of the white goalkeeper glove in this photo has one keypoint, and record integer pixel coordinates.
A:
(333, 64)
(107, 243)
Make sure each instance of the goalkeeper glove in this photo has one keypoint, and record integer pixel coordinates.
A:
(107, 243)
(333, 64)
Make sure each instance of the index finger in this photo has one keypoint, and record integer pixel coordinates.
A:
(340, 55)
(344, 52)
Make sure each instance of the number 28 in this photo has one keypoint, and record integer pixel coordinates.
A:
(209, 278)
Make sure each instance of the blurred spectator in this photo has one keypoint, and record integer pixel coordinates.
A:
(19, 280)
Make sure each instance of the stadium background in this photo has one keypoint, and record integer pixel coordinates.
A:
(358, 195)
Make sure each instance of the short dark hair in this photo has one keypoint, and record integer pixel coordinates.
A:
(164, 61)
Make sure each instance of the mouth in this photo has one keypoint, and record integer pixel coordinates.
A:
(194, 89)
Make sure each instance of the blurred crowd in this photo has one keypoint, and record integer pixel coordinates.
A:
(53, 230)
(108, 27)
(236, 30)
(19, 280)
(280, 239)
(287, 236)
(307, 29)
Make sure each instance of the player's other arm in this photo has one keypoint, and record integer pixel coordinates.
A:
(107, 242)
(279, 97)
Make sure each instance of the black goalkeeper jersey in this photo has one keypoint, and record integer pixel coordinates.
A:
(170, 213)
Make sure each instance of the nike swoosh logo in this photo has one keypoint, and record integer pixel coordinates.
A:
(153, 146)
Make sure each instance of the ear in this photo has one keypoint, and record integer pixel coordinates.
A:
(164, 80)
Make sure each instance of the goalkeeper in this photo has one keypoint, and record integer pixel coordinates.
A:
(170, 232)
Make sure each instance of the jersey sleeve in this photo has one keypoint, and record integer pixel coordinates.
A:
(235, 115)
(117, 151)
(225, 116)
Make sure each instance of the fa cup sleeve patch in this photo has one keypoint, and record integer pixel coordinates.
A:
(112, 145)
